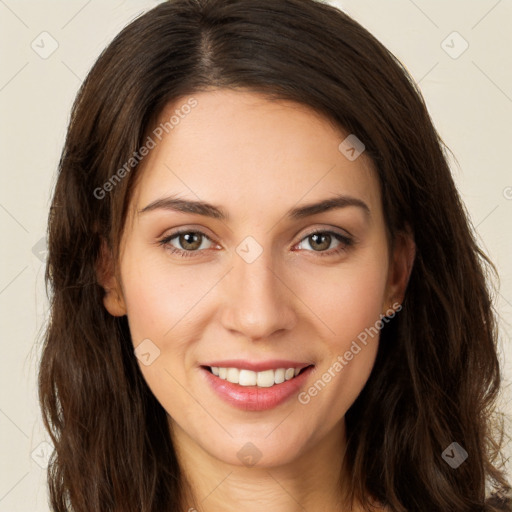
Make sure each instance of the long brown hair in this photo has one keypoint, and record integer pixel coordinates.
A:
(436, 378)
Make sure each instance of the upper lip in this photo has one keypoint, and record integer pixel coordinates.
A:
(258, 366)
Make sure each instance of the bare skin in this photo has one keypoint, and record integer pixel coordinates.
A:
(257, 160)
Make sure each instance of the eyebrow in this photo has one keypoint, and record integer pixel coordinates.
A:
(209, 210)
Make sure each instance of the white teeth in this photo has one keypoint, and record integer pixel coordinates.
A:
(279, 376)
(247, 378)
(264, 379)
(232, 375)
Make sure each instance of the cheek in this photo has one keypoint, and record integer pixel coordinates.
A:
(348, 303)
(345, 299)
(160, 299)
(160, 296)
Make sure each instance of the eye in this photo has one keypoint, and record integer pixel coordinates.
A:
(322, 240)
(190, 241)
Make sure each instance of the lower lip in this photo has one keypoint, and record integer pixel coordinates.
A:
(253, 398)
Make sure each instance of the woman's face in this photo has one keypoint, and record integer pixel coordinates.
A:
(254, 290)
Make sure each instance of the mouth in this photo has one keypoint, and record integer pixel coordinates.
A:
(262, 379)
(252, 390)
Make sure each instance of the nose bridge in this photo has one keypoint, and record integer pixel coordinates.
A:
(258, 302)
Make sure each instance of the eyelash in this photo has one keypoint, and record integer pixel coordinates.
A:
(346, 242)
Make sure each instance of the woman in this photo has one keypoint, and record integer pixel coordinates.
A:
(265, 290)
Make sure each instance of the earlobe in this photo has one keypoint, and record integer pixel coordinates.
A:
(113, 299)
(114, 302)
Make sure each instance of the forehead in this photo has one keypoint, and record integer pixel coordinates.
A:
(252, 154)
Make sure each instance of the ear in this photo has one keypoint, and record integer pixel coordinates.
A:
(113, 300)
(402, 260)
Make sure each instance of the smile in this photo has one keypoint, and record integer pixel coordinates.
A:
(264, 379)
(252, 390)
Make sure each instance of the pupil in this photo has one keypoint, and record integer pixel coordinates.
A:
(190, 244)
(319, 236)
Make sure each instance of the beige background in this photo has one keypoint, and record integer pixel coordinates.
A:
(469, 98)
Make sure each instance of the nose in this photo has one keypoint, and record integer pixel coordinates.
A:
(258, 301)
